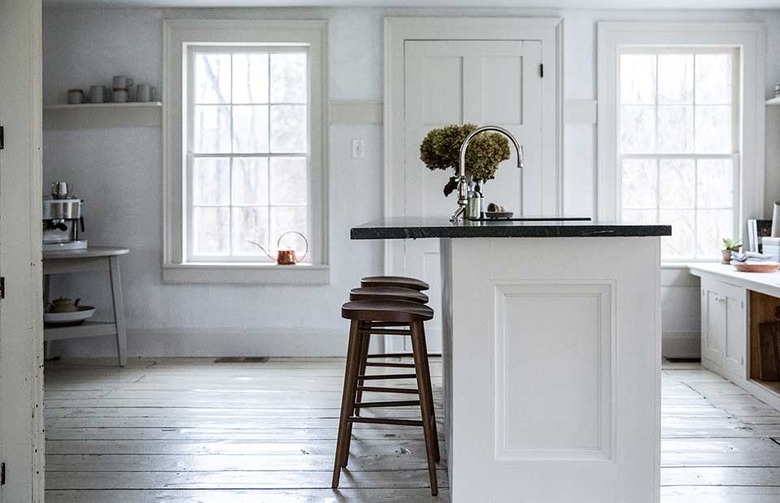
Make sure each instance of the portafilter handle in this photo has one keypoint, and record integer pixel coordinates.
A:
(59, 190)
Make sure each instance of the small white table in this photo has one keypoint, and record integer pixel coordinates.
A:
(95, 258)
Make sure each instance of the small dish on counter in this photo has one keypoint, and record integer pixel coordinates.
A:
(71, 318)
(498, 215)
(765, 267)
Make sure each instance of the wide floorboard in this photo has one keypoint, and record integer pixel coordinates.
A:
(192, 430)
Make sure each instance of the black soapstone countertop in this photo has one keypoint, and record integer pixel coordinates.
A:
(441, 227)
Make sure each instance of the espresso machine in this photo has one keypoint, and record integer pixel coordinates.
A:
(62, 220)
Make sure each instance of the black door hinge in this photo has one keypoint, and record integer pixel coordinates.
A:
(2, 474)
(2, 137)
(541, 70)
(2, 288)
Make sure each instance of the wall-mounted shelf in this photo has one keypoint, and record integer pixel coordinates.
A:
(83, 106)
(774, 101)
(102, 115)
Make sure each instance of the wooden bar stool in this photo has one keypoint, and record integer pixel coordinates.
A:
(374, 294)
(407, 319)
(395, 281)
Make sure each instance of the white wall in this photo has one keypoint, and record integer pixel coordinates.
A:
(118, 171)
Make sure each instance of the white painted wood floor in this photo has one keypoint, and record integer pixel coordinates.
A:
(190, 430)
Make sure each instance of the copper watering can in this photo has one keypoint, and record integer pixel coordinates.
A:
(285, 256)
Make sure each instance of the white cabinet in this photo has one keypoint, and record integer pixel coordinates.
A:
(723, 328)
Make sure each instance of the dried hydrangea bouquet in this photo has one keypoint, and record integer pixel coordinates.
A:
(440, 149)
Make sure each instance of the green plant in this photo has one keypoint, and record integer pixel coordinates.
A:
(440, 149)
(731, 244)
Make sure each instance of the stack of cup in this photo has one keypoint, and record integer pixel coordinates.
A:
(120, 94)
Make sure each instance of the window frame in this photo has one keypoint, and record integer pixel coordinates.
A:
(178, 34)
(748, 38)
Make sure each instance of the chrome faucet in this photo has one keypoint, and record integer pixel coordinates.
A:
(463, 197)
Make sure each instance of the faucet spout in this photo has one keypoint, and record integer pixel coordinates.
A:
(462, 184)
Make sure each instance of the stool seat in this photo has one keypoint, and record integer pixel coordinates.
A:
(396, 311)
(396, 281)
(388, 293)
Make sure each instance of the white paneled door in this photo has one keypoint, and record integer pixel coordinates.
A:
(482, 82)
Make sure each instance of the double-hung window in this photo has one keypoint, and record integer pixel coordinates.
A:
(678, 149)
(680, 130)
(245, 164)
(247, 156)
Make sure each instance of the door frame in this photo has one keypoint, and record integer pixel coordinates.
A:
(21, 311)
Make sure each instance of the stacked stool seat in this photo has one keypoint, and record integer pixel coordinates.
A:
(386, 310)
(395, 281)
(386, 293)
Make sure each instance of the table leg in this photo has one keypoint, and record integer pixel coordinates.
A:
(119, 309)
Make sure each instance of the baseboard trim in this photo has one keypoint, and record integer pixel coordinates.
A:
(213, 342)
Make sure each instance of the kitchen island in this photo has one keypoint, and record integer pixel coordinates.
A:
(552, 357)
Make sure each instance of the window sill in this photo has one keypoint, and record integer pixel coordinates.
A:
(247, 274)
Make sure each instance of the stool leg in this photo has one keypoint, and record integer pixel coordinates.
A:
(427, 376)
(347, 402)
(366, 341)
(359, 361)
(425, 401)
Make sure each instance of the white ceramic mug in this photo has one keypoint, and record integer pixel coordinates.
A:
(119, 95)
(120, 82)
(75, 96)
(96, 94)
(143, 93)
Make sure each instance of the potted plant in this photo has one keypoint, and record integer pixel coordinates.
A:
(729, 245)
(440, 149)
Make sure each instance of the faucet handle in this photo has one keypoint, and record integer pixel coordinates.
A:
(458, 214)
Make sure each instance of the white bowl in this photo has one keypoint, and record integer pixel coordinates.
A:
(69, 318)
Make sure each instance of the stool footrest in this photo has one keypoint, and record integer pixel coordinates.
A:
(394, 403)
(390, 364)
(382, 389)
(382, 420)
(381, 324)
(381, 377)
(385, 331)
(401, 355)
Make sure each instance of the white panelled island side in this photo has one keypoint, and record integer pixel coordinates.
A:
(552, 357)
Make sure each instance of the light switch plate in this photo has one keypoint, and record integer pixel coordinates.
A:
(358, 149)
